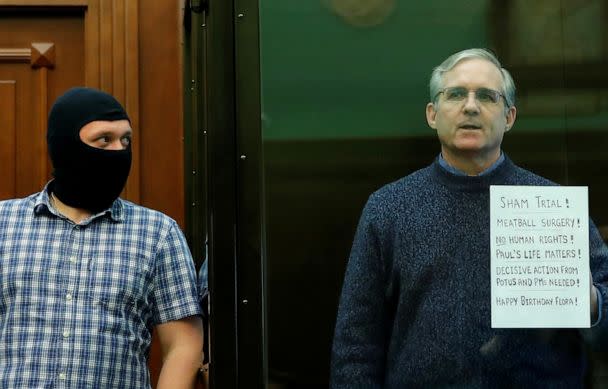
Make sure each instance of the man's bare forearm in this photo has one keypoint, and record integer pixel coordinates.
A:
(179, 370)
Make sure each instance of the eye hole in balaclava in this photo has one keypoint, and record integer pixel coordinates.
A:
(85, 177)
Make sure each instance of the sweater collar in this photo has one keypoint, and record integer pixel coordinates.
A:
(465, 183)
(458, 172)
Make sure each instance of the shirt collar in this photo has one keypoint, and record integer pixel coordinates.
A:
(443, 163)
(42, 204)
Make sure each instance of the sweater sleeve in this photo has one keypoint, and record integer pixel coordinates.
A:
(597, 336)
(359, 346)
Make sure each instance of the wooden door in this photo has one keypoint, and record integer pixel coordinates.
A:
(41, 55)
(46, 47)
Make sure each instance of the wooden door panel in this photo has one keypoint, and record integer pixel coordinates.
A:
(16, 75)
(41, 55)
(7, 139)
(28, 105)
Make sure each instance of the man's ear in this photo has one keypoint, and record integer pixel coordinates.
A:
(511, 115)
(431, 113)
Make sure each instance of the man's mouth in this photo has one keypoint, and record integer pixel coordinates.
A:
(468, 126)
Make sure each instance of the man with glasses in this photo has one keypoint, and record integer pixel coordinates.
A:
(415, 305)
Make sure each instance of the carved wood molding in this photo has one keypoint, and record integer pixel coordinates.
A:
(43, 55)
(39, 55)
(15, 55)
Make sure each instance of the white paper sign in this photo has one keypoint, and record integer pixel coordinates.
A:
(539, 257)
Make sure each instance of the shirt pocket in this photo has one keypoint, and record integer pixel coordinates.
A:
(118, 289)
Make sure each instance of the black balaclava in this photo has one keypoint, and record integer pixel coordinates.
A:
(86, 177)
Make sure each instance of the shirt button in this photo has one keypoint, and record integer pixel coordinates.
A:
(68, 296)
(62, 376)
(66, 334)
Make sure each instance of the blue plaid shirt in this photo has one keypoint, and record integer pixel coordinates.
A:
(78, 301)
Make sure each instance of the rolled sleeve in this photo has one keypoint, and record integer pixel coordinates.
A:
(175, 293)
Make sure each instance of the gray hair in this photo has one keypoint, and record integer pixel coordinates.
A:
(436, 82)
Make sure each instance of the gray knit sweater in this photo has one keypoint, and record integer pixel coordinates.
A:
(415, 305)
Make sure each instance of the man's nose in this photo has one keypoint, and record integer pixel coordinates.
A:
(471, 105)
(115, 145)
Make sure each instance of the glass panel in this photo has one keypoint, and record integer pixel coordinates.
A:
(344, 90)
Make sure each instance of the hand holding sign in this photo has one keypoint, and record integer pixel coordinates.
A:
(593, 297)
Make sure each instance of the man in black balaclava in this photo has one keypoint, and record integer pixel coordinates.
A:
(85, 276)
(88, 177)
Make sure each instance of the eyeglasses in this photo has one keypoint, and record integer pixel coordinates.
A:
(458, 94)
